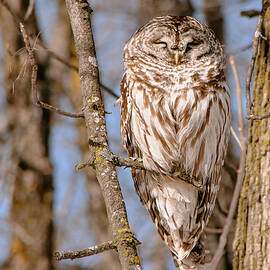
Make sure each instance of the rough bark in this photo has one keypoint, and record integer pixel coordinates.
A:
(93, 108)
(28, 132)
(252, 244)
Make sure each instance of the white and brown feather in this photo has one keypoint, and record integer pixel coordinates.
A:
(176, 116)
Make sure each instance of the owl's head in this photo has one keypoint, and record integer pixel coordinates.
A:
(173, 42)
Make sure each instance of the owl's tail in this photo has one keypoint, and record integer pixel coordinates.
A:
(173, 206)
(198, 258)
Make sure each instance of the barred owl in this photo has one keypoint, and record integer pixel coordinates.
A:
(175, 116)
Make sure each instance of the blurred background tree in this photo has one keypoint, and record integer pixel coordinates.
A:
(45, 208)
(28, 173)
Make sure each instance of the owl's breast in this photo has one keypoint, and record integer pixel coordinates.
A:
(187, 128)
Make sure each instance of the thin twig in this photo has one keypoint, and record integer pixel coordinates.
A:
(108, 90)
(29, 10)
(34, 65)
(239, 98)
(213, 230)
(240, 50)
(238, 89)
(138, 164)
(240, 177)
(255, 45)
(231, 170)
(20, 232)
(236, 137)
(56, 56)
(250, 13)
(74, 254)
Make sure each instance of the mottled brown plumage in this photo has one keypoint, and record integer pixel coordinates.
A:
(175, 115)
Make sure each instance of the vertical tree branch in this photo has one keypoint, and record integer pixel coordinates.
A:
(93, 107)
(238, 89)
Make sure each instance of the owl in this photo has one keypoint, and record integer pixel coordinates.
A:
(175, 116)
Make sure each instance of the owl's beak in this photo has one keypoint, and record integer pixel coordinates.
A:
(177, 57)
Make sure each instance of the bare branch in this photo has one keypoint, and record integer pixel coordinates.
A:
(239, 97)
(241, 125)
(56, 56)
(236, 137)
(255, 44)
(213, 230)
(108, 90)
(29, 10)
(250, 13)
(20, 232)
(74, 254)
(226, 229)
(34, 65)
(137, 163)
(240, 50)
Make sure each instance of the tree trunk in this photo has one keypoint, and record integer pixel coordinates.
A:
(28, 131)
(252, 242)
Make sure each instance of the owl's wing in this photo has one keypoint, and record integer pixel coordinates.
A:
(147, 120)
